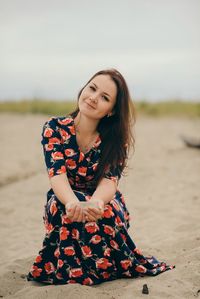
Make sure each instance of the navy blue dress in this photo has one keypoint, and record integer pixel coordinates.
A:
(92, 252)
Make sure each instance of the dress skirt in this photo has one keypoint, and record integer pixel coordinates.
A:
(92, 252)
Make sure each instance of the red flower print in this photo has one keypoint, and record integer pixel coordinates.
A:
(38, 259)
(48, 132)
(54, 140)
(59, 275)
(87, 281)
(118, 221)
(75, 234)
(108, 213)
(105, 275)
(71, 164)
(35, 271)
(94, 166)
(81, 157)
(114, 244)
(109, 230)
(61, 170)
(64, 233)
(142, 261)
(69, 152)
(48, 147)
(103, 263)
(49, 227)
(49, 267)
(53, 208)
(69, 250)
(138, 251)
(51, 172)
(86, 250)
(123, 237)
(127, 216)
(91, 227)
(65, 121)
(64, 134)
(141, 269)
(82, 170)
(72, 130)
(57, 252)
(60, 263)
(71, 281)
(76, 272)
(57, 156)
(65, 219)
(115, 205)
(107, 252)
(125, 264)
(95, 239)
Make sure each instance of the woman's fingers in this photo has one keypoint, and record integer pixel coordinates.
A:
(76, 213)
(84, 211)
(80, 217)
(90, 218)
(70, 210)
(96, 212)
(91, 215)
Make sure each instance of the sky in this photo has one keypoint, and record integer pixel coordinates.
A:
(50, 49)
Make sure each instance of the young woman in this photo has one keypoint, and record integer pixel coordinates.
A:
(85, 215)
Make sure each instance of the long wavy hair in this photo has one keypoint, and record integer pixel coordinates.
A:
(116, 131)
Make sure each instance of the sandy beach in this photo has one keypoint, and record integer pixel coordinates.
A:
(162, 192)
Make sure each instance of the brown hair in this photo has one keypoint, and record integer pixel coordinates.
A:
(116, 130)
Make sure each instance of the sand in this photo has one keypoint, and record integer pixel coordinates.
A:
(162, 191)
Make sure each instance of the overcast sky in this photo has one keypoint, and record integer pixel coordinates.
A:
(49, 49)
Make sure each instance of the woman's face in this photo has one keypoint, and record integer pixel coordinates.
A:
(98, 98)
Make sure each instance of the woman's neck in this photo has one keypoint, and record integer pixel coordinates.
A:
(84, 125)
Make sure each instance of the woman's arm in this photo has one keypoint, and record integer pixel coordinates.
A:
(105, 191)
(65, 194)
(62, 189)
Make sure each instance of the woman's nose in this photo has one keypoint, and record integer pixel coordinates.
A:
(93, 99)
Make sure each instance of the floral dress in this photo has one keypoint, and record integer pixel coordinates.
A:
(92, 252)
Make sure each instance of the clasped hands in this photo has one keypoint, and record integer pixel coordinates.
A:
(81, 211)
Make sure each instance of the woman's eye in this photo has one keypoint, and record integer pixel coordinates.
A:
(105, 98)
(91, 87)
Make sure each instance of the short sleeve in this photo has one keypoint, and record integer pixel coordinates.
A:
(53, 148)
(113, 173)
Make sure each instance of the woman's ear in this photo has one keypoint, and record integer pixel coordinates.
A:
(111, 113)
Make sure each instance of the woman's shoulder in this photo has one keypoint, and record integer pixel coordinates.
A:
(56, 122)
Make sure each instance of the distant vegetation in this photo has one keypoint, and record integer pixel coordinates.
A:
(166, 108)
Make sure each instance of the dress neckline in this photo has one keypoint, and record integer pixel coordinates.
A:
(95, 144)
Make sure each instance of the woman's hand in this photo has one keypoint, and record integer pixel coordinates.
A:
(93, 209)
(74, 211)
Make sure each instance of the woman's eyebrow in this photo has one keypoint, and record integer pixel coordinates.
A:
(103, 92)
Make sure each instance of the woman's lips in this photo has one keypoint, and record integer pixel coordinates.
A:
(90, 106)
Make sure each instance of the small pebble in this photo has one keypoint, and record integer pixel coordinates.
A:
(145, 289)
(23, 276)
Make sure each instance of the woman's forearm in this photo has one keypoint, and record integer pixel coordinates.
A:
(62, 188)
(105, 191)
